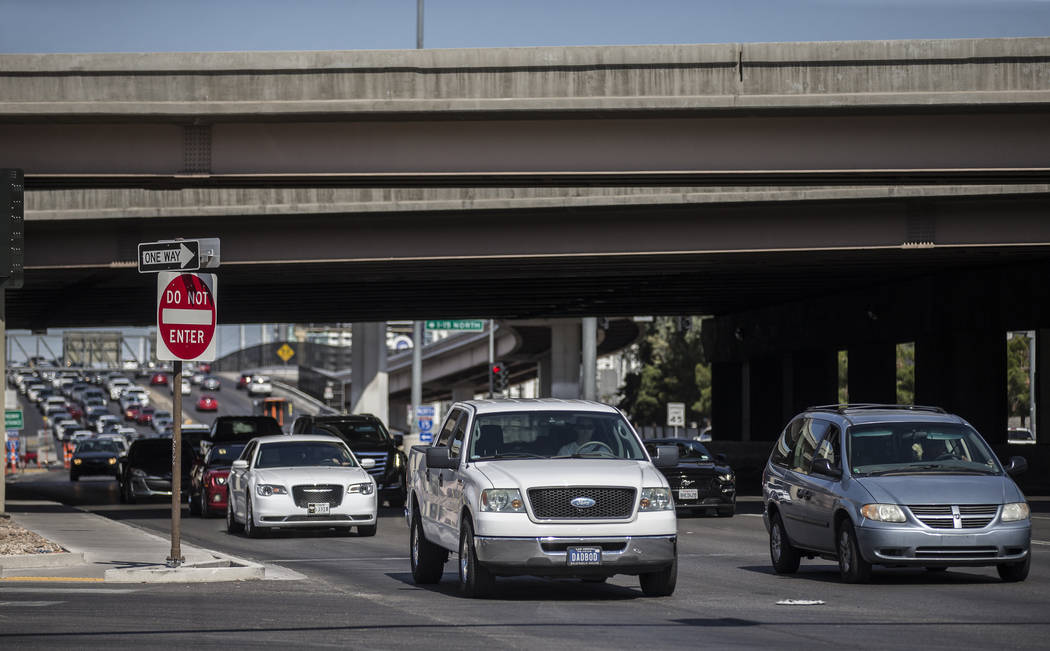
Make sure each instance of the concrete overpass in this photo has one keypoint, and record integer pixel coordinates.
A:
(747, 181)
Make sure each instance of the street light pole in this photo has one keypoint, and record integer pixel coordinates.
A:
(419, 24)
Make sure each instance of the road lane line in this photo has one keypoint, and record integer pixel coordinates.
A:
(1041, 542)
(1041, 517)
(30, 604)
(12, 589)
(323, 560)
(54, 579)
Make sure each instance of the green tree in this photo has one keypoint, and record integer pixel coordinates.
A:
(1017, 385)
(906, 373)
(672, 369)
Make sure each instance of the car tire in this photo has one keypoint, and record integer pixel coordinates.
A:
(475, 580)
(662, 583)
(852, 566)
(129, 493)
(782, 553)
(251, 529)
(727, 512)
(231, 522)
(1015, 572)
(367, 530)
(204, 508)
(426, 558)
(194, 504)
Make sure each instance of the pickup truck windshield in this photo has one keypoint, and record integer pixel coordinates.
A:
(553, 435)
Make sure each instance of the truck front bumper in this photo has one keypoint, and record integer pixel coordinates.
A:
(548, 556)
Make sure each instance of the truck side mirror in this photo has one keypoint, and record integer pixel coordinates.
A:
(438, 458)
(666, 456)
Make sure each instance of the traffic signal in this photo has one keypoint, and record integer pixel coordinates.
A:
(500, 376)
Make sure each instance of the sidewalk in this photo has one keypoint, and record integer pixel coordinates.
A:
(101, 549)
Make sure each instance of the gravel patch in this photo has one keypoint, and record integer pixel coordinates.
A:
(16, 540)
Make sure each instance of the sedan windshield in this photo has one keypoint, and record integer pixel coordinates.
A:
(303, 453)
(553, 434)
(905, 448)
(99, 446)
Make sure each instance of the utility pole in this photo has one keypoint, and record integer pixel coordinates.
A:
(417, 373)
(492, 357)
(419, 24)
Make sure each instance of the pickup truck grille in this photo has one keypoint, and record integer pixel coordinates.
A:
(314, 494)
(609, 503)
(380, 459)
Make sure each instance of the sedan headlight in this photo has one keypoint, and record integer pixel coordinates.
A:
(364, 488)
(655, 499)
(77, 462)
(502, 500)
(727, 477)
(883, 512)
(112, 461)
(266, 490)
(1015, 511)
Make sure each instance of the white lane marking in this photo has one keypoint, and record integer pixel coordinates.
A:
(8, 589)
(324, 560)
(1041, 542)
(178, 316)
(749, 515)
(800, 602)
(1041, 517)
(30, 604)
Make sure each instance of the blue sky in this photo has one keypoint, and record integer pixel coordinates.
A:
(230, 25)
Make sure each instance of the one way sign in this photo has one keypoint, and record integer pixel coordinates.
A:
(177, 255)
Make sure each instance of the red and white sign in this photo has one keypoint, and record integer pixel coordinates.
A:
(186, 316)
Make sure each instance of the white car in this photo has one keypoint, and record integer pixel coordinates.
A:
(117, 387)
(134, 395)
(300, 481)
(260, 386)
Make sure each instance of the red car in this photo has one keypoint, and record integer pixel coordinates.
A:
(208, 479)
(132, 412)
(204, 368)
(158, 379)
(244, 381)
(207, 403)
(145, 416)
(75, 412)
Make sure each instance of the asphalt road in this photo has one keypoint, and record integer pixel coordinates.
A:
(359, 593)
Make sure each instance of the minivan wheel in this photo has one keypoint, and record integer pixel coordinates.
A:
(1014, 572)
(852, 566)
(783, 554)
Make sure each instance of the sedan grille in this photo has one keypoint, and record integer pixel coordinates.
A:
(317, 493)
(380, 458)
(943, 516)
(609, 503)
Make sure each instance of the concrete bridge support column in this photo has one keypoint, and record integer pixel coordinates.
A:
(729, 397)
(543, 377)
(1042, 385)
(814, 380)
(872, 373)
(765, 398)
(965, 373)
(463, 391)
(565, 359)
(397, 418)
(369, 389)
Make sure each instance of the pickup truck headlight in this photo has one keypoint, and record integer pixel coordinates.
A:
(502, 500)
(1015, 511)
(365, 488)
(883, 512)
(266, 490)
(655, 499)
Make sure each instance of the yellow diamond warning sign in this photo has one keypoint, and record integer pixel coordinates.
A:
(285, 352)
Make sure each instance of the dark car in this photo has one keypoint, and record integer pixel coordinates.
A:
(207, 493)
(367, 438)
(701, 480)
(95, 457)
(146, 470)
(234, 429)
(211, 383)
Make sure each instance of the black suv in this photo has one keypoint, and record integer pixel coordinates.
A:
(368, 438)
(239, 429)
(146, 470)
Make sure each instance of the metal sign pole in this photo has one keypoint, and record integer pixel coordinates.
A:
(176, 558)
(3, 398)
(492, 356)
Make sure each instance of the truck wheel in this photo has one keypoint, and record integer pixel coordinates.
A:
(474, 579)
(783, 554)
(428, 560)
(662, 583)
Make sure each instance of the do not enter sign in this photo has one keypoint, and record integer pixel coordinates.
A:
(186, 317)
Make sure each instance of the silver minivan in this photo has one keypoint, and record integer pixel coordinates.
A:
(892, 485)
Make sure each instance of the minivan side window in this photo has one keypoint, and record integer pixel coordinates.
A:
(810, 435)
(830, 448)
(783, 452)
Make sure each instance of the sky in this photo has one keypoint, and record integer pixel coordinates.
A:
(38, 26)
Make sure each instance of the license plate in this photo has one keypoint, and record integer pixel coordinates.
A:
(688, 494)
(320, 508)
(584, 556)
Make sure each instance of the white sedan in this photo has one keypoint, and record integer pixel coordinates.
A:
(300, 481)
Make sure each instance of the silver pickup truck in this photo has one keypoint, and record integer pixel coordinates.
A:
(540, 487)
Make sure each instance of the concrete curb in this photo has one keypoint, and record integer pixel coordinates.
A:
(216, 571)
(41, 561)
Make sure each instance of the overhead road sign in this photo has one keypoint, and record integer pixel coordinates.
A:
(186, 317)
(178, 255)
(474, 325)
(13, 419)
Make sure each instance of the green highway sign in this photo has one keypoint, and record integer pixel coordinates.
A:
(456, 324)
(13, 419)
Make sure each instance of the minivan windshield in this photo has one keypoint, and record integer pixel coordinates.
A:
(553, 435)
(908, 448)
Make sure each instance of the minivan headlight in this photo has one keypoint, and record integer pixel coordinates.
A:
(1015, 511)
(883, 512)
(502, 500)
(655, 499)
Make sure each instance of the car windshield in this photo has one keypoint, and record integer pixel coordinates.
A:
(99, 446)
(303, 453)
(353, 432)
(906, 448)
(553, 434)
(688, 451)
(245, 427)
(224, 455)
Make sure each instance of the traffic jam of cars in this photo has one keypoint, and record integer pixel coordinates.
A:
(560, 488)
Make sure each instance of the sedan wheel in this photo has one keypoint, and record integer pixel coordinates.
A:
(251, 529)
(231, 522)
